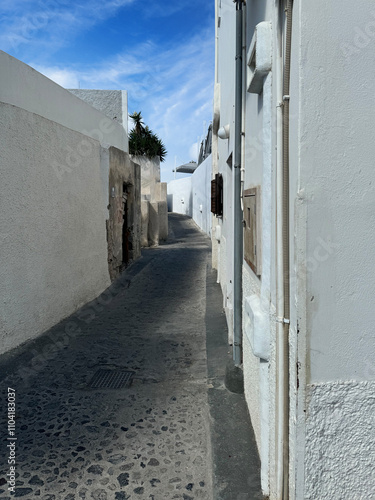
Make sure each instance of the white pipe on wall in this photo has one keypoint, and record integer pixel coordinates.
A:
(280, 390)
(282, 242)
(244, 92)
(279, 283)
(286, 247)
(237, 209)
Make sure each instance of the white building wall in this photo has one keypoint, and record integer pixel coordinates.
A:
(192, 196)
(54, 198)
(333, 195)
(332, 346)
(112, 103)
(338, 184)
(53, 232)
(23, 86)
(259, 162)
(226, 16)
(201, 195)
(179, 195)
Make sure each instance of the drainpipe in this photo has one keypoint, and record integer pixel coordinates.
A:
(286, 265)
(279, 267)
(283, 253)
(238, 228)
(215, 128)
(244, 93)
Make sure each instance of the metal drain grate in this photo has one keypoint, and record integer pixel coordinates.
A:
(111, 379)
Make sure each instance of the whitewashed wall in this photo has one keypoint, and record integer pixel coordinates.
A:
(259, 162)
(201, 195)
(23, 86)
(224, 91)
(53, 203)
(112, 103)
(333, 216)
(180, 196)
(53, 233)
(332, 207)
(192, 196)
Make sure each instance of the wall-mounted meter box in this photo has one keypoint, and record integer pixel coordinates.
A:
(251, 223)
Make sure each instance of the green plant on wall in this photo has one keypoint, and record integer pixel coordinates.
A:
(143, 142)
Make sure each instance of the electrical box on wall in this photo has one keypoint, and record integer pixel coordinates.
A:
(256, 326)
(259, 57)
(251, 223)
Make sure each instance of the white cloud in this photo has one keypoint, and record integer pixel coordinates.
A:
(172, 87)
(64, 77)
(152, 8)
(51, 23)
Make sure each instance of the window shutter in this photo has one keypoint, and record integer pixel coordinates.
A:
(213, 195)
(217, 195)
(220, 195)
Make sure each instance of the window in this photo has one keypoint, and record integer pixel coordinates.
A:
(217, 195)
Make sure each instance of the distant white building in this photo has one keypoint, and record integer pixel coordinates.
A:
(293, 165)
(191, 195)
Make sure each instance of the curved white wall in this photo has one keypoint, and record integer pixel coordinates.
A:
(192, 195)
(179, 196)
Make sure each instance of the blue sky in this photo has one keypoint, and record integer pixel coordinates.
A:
(161, 52)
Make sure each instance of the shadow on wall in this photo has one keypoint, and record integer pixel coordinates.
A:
(192, 195)
(170, 202)
(180, 196)
(187, 211)
(191, 203)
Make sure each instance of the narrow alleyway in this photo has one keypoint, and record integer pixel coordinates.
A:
(175, 433)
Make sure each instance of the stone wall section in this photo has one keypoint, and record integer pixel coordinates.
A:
(124, 186)
(154, 202)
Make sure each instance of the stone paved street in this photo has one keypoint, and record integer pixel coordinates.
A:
(149, 441)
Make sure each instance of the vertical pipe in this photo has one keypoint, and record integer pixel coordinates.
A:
(238, 229)
(215, 127)
(283, 250)
(279, 258)
(244, 93)
(216, 41)
(286, 249)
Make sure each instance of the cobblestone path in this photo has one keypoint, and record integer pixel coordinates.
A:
(149, 441)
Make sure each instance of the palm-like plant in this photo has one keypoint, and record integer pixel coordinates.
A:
(138, 122)
(143, 142)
